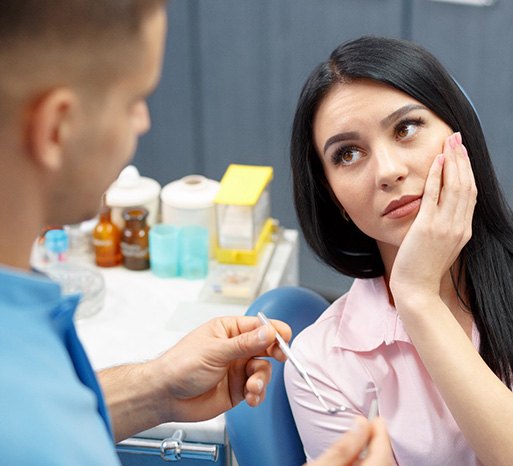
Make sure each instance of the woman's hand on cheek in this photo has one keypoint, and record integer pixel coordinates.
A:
(442, 227)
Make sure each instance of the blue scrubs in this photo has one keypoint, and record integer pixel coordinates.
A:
(52, 410)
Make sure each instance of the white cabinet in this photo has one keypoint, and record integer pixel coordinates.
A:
(144, 315)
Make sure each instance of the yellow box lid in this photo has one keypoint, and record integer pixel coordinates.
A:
(243, 184)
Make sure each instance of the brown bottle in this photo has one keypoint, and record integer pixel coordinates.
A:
(134, 239)
(106, 240)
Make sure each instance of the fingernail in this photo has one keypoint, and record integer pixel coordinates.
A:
(457, 136)
(260, 385)
(262, 333)
(452, 141)
(257, 399)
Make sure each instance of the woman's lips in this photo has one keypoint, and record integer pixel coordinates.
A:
(403, 207)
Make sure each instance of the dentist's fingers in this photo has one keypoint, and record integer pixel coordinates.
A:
(345, 451)
(259, 374)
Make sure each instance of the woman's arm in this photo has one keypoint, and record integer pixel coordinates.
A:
(480, 403)
(318, 429)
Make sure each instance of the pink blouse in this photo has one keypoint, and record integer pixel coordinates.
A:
(359, 350)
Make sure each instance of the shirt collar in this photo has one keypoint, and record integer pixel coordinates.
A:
(368, 319)
(35, 292)
(23, 289)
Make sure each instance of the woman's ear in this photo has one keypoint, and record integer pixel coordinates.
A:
(49, 122)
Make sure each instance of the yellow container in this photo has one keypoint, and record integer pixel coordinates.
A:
(243, 213)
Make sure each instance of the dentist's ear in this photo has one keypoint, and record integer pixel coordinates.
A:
(48, 126)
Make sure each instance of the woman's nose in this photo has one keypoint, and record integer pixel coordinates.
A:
(390, 168)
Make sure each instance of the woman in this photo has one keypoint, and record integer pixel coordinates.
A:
(387, 158)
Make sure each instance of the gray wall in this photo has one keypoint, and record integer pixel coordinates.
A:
(234, 68)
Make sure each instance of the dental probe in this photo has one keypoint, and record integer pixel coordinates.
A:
(299, 367)
(373, 412)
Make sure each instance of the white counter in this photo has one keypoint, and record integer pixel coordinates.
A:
(144, 315)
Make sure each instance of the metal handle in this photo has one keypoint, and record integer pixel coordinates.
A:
(469, 2)
(170, 449)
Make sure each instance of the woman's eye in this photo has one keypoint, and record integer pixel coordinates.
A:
(407, 129)
(346, 155)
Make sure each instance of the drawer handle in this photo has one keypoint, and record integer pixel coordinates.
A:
(469, 2)
(170, 449)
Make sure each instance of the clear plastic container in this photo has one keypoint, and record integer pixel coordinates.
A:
(75, 278)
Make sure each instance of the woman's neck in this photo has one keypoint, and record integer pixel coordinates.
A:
(448, 290)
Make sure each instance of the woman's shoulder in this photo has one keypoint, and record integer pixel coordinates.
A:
(364, 296)
(327, 321)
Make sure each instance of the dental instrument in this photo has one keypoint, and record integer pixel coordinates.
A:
(299, 367)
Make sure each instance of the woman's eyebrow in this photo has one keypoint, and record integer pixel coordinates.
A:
(388, 120)
(385, 122)
(340, 137)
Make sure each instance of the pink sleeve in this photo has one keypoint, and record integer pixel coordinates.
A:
(339, 378)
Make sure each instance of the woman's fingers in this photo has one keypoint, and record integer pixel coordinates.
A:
(432, 187)
(450, 192)
(468, 194)
(443, 224)
(458, 193)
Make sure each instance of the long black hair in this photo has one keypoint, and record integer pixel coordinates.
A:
(486, 261)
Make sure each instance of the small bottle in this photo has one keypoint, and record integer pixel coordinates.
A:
(134, 239)
(107, 240)
(56, 246)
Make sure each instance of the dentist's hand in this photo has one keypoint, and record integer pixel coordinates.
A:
(215, 367)
(209, 371)
(369, 436)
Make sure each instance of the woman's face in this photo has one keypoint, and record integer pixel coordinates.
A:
(376, 145)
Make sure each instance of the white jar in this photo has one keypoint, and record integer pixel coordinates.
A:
(133, 190)
(190, 201)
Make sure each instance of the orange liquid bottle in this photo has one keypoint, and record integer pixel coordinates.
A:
(135, 239)
(107, 241)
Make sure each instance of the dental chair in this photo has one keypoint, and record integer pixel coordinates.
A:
(267, 435)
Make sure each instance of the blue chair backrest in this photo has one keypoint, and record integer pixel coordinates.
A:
(267, 435)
